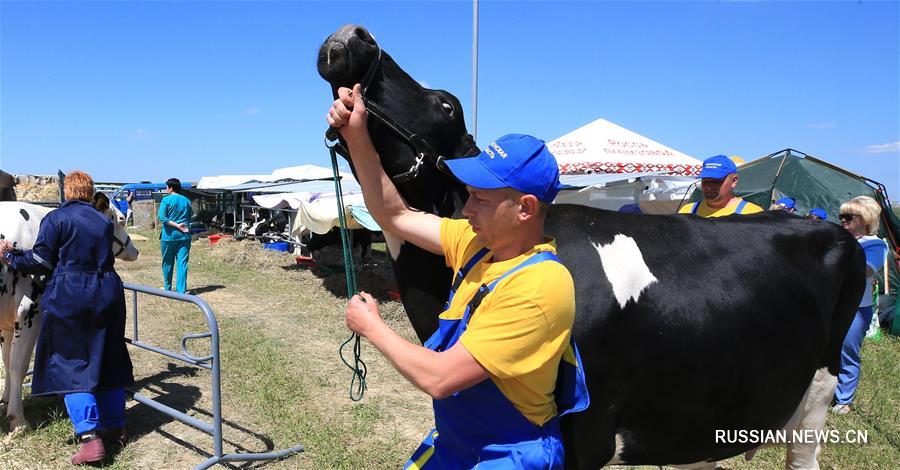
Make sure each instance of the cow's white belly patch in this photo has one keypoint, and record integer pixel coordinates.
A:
(625, 268)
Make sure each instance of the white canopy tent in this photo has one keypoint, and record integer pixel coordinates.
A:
(604, 147)
(608, 166)
(293, 173)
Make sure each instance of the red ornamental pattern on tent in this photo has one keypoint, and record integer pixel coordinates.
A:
(581, 168)
(626, 149)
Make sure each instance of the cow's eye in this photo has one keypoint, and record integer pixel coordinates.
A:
(448, 108)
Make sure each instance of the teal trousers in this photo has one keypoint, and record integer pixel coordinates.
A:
(175, 251)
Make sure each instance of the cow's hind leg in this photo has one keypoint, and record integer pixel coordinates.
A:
(810, 414)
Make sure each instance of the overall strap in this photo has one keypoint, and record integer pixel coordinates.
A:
(484, 290)
(740, 207)
(463, 271)
(694, 209)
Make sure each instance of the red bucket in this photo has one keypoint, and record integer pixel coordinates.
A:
(214, 238)
(306, 261)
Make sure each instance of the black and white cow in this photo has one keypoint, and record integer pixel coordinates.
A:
(20, 319)
(686, 325)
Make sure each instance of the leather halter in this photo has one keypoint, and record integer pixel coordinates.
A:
(122, 245)
(423, 150)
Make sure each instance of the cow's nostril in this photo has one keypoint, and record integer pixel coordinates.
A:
(364, 35)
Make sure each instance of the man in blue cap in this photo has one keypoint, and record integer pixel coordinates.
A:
(817, 213)
(492, 365)
(718, 179)
(787, 204)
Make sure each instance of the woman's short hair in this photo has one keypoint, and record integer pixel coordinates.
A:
(175, 184)
(868, 209)
(79, 186)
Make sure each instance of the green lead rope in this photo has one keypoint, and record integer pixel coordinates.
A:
(358, 367)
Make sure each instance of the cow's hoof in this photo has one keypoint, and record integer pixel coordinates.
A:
(841, 409)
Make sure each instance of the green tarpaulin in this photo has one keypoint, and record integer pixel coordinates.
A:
(816, 183)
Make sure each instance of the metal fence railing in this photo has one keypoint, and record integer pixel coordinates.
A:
(212, 362)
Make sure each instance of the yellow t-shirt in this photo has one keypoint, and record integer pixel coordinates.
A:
(522, 327)
(705, 211)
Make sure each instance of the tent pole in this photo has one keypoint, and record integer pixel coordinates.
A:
(787, 153)
(475, 70)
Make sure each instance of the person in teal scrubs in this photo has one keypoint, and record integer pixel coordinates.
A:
(175, 239)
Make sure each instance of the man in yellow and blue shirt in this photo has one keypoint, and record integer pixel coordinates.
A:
(501, 367)
(718, 179)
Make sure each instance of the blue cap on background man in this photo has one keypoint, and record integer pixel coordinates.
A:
(785, 203)
(717, 167)
(817, 212)
(516, 161)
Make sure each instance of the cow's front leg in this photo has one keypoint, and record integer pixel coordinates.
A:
(20, 358)
(6, 337)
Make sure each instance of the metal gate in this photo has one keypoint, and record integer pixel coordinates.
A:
(211, 362)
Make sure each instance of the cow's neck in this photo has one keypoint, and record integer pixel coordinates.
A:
(422, 277)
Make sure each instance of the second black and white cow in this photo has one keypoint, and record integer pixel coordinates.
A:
(20, 318)
(687, 326)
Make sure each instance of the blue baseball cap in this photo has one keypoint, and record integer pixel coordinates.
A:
(786, 202)
(516, 161)
(818, 212)
(717, 167)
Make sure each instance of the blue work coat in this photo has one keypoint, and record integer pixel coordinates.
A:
(81, 347)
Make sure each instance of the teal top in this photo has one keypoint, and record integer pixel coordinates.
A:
(175, 208)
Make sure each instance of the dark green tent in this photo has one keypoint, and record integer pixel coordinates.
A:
(816, 183)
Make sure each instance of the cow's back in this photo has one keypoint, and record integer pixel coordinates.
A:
(687, 325)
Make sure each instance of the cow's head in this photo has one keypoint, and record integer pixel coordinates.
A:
(123, 247)
(351, 55)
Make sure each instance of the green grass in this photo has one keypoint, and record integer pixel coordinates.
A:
(877, 411)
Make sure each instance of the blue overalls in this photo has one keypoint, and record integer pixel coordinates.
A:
(479, 425)
(737, 210)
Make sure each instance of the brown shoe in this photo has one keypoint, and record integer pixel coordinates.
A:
(91, 451)
(114, 438)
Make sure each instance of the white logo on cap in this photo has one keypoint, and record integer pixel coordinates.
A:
(499, 150)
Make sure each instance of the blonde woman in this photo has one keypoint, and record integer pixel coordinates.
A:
(860, 217)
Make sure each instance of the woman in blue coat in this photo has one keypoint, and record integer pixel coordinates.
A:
(80, 351)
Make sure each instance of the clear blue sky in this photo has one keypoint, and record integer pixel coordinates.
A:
(148, 90)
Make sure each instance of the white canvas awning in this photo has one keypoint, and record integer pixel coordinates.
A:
(293, 173)
(604, 147)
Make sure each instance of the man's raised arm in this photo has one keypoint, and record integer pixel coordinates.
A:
(348, 114)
